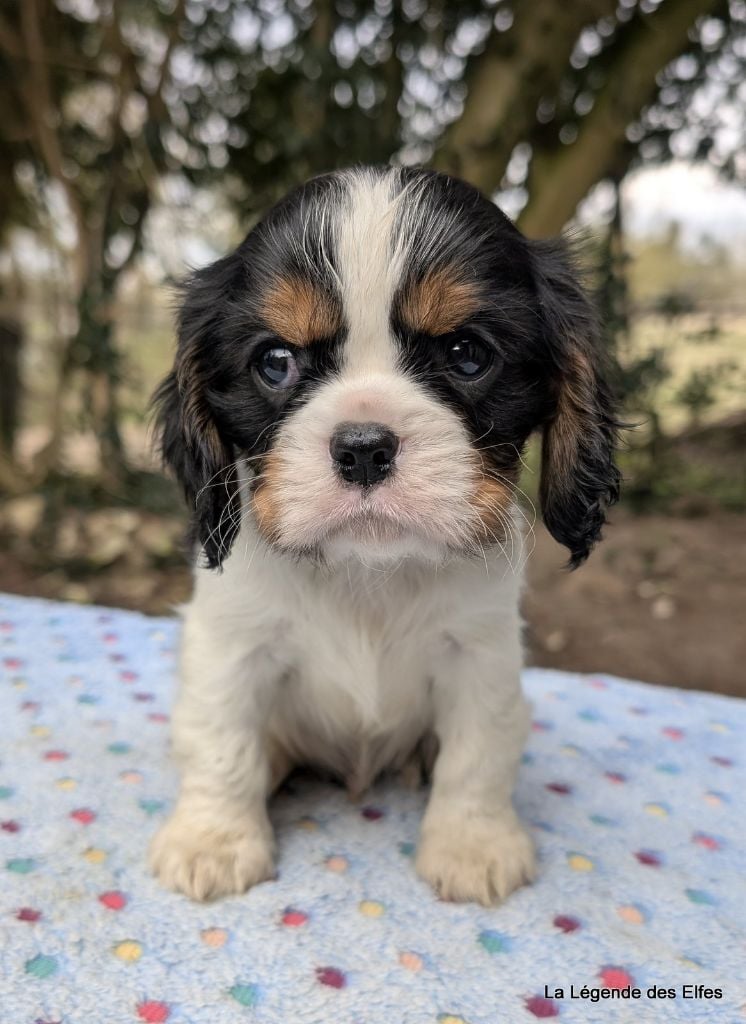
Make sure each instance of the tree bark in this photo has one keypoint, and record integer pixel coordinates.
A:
(506, 82)
(560, 178)
(11, 342)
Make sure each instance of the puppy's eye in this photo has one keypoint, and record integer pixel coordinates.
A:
(467, 357)
(277, 367)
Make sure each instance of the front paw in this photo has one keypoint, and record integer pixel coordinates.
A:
(208, 860)
(478, 860)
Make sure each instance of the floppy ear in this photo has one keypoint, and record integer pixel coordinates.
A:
(190, 440)
(578, 477)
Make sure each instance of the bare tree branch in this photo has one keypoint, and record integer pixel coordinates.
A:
(505, 83)
(560, 178)
(41, 110)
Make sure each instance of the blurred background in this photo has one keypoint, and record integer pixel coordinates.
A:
(144, 137)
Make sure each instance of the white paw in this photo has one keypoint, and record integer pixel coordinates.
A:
(207, 861)
(478, 860)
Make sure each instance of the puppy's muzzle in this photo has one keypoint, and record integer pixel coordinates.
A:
(363, 453)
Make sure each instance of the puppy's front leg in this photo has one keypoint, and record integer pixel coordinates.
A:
(218, 841)
(472, 845)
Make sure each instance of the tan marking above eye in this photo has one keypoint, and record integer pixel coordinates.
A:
(299, 311)
(439, 302)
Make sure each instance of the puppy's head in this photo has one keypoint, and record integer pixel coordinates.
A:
(362, 374)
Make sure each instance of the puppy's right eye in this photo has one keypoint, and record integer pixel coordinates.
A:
(278, 367)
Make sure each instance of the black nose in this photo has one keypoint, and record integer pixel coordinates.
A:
(363, 452)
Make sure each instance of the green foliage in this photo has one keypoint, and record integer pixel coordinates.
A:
(658, 470)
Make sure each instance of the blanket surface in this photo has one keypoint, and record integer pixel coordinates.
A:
(636, 796)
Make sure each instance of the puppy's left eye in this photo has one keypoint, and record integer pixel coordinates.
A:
(468, 357)
(277, 367)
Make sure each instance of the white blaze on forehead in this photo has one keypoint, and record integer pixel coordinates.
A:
(370, 263)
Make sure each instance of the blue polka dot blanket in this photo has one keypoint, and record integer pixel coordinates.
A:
(636, 796)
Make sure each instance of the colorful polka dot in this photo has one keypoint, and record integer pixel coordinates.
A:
(150, 806)
(128, 950)
(372, 813)
(372, 908)
(493, 941)
(602, 819)
(42, 966)
(151, 1012)
(715, 799)
(566, 923)
(21, 865)
(216, 938)
(28, 914)
(649, 858)
(294, 918)
(95, 856)
(580, 862)
(332, 977)
(542, 1007)
(337, 864)
(707, 842)
(119, 748)
(631, 913)
(539, 725)
(113, 900)
(673, 733)
(657, 810)
(308, 824)
(615, 977)
(83, 815)
(245, 995)
(701, 897)
(410, 961)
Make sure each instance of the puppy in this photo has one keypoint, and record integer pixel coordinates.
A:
(352, 391)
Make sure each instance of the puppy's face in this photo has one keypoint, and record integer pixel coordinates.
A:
(376, 353)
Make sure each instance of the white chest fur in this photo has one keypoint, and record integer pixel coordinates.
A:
(345, 657)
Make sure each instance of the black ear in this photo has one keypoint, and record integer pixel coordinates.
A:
(578, 478)
(191, 443)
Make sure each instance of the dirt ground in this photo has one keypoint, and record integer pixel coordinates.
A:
(662, 599)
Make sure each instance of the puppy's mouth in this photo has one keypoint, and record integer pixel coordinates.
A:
(370, 513)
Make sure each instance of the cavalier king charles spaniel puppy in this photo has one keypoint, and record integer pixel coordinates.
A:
(352, 391)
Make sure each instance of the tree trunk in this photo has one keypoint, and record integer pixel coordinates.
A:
(94, 351)
(506, 82)
(11, 341)
(89, 365)
(561, 177)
